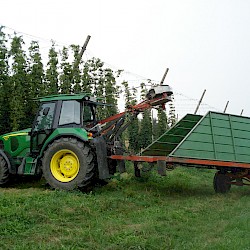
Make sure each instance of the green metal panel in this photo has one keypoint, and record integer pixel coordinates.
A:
(165, 144)
(63, 97)
(216, 136)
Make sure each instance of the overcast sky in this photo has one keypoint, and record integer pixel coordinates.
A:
(205, 43)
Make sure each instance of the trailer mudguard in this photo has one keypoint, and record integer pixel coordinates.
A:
(102, 158)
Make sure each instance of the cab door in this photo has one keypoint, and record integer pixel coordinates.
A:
(42, 126)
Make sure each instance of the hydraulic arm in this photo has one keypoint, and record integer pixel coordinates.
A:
(113, 126)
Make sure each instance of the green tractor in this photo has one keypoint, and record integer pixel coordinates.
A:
(67, 144)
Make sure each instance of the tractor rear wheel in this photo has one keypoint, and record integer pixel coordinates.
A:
(222, 182)
(68, 164)
(4, 171)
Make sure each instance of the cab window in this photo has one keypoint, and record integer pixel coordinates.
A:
(45, 116)
(70, 113)
(87, 113)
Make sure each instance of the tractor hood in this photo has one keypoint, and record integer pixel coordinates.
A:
(16, 143)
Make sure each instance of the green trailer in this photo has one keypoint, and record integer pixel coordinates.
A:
(217, 141)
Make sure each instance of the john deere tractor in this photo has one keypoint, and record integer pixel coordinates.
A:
(67, 144)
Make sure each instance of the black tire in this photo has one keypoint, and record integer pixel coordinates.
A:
(86, 159)
(222, 183)
(4, 172)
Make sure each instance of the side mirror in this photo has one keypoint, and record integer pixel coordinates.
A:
(46, 111)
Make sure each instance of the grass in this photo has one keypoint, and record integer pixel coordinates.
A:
(180, 211)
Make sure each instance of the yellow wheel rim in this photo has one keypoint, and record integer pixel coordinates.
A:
(65, 165)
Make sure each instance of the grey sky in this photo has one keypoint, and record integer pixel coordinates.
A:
(206, 44)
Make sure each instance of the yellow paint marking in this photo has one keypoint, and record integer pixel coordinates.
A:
(6, 137)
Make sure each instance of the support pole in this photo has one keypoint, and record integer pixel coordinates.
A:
(161, 167)
(199, 102)
(164, 76)
(226, 107)
(78, 59)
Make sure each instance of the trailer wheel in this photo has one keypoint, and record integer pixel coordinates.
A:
(222, 183)
(4, 171)
(68, 164)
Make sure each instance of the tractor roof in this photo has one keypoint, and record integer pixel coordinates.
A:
(64, 97)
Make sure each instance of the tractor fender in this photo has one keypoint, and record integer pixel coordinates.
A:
(51, 140)
(6, 158)
(102, 158)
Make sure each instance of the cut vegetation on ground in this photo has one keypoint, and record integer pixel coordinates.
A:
(180, 211)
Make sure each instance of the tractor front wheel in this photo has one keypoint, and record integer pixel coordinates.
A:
(4, 171)
(222, 182)
(68, 164)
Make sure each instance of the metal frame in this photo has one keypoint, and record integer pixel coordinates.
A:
(183, 161)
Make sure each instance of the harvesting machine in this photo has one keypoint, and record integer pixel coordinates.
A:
(68, 144)
(71, 148)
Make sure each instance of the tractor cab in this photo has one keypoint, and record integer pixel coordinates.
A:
(62, 113)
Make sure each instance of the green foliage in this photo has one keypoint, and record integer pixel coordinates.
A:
(19, 81)
(101, 82)
(5, 87)
(179, 211)
(86, 78)
(162, 125)
(77, 88)
(133, 129)
(66, 76)
(51, 78)
(95, 79)
(145, 136)
(35, 82)
(111, 92)
(172, 119)
(36, 70)
(26, 78)
(23, 79)
(146, 133)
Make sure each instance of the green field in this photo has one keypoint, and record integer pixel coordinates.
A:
(180, 211)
